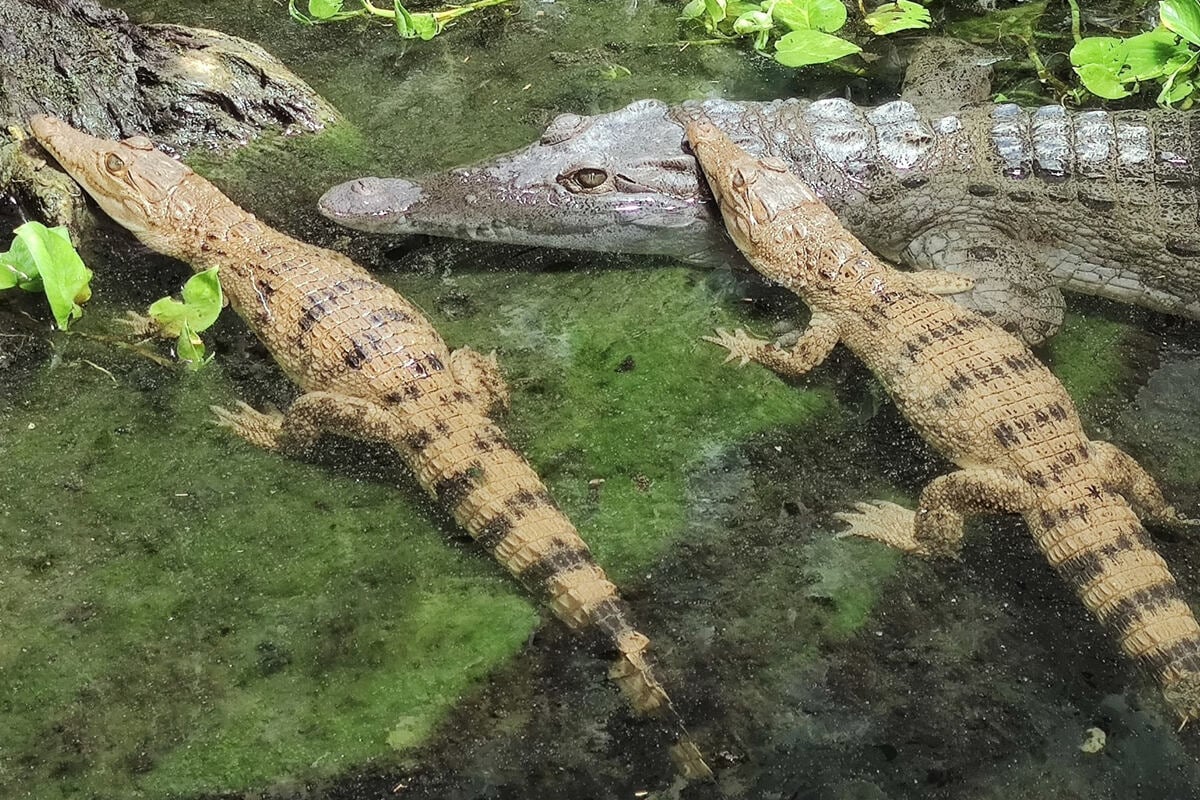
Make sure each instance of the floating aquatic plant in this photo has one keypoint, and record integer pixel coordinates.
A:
(43, 259)
(410, 25)
(802, 30)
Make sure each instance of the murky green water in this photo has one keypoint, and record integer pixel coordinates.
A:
(184, 616)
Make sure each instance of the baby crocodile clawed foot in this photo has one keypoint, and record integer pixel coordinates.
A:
(895, 526)
(740, 345)
(258, 428)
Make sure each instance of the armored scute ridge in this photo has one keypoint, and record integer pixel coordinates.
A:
(973, 391)
(1026, 201)
(372, 367)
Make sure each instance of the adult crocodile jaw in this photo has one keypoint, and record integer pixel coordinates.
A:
(647, 200)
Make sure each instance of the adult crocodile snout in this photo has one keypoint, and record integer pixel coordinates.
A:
(617, 182)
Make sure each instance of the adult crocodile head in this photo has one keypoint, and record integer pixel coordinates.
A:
(617, 182)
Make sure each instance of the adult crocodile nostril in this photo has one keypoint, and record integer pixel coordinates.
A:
(370, 199)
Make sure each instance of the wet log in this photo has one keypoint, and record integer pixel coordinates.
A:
(186, 88)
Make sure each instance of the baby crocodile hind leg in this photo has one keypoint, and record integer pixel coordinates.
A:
(813, 347)
(308, 417)
(1129, 479)
(935, 529)
(1010, 287)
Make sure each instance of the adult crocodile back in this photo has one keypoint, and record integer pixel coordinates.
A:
(979, 396)
(372, 367)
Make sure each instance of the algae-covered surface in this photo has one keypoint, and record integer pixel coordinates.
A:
(183, 616)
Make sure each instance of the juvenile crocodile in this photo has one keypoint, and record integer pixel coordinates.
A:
(372, 367)
(1028, 201)
(979, 396)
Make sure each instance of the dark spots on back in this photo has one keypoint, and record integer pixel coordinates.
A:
(961, 382)
(393, 398)
(1020, 196)
(459, 396)
(493, 532)
(453, 489)
(1005, 434)
(982, 190)
(265, 287)
(563, 556)
(1094, 492)
(483, 444)
(434, 362)
(1056, 412)
(356, 356)
(382, 316)
(525, 500)
(1041, 417)
(914, 182)
(442, 427)
(1184, 248)
(418, 441)
(1038, 479)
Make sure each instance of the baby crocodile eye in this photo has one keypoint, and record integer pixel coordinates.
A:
(590, 178)
(114, 163)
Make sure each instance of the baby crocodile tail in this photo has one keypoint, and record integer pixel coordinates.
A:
(463, 459)
(1094, 540)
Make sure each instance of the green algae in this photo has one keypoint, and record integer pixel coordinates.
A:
(186, 614)
(1088, 356)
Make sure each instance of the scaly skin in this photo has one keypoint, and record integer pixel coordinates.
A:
(372, 367)
(978, 395)
(1029, 202)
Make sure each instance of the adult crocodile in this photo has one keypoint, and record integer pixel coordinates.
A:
(372, 367)
(1027, 201)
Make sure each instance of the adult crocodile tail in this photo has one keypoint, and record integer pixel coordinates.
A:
(1094, 540)
(467, 463)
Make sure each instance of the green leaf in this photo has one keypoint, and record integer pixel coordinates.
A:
(1099, 50)
(199, 310)
(190, 349)
(324, 9)
(752, 22)
(1181, 17)
(902, 15)
(1175, 92)
(804, 47)
(403, 21)
(44, 258)
(202, 295)
(693, 10)
(1102, 81)
(424, 25)
(1153, 54)
(800, 15)
(716, 9)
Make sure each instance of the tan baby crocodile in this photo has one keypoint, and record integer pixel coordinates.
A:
(372, 367)
(975, 393)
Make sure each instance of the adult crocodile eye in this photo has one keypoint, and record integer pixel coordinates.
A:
(114, 163)
(590, 178)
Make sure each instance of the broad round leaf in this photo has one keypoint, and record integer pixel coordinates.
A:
(801, 15)
(1102, 82)
(1099, 50)
(801, 48)
(202, 296)
(65, 279)
(1182, 17)
(903, 15)
(1149, 55)
(324, 9)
